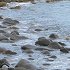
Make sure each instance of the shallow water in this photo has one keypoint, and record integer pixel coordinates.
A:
(52, 16)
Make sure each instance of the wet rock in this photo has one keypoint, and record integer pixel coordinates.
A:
(16, 7)
(27, 47)
(53, 56)
(46, 64)
(25, 64)
(4, 67)
(11, 68)
(30, 59)
(2, 37)
(41, 49)
(13, 27)
(4, 51)
(2, 26)
(50, 59)
(10, 52)
(42, 41)
(3, 62)
(55, 45)
(15, 33)
(53, 36)
(17, 37)
(1, 17)
(9, 21)
(63, 44)
(46, 52)
(64, 50)
(2, 31)
(38, 29)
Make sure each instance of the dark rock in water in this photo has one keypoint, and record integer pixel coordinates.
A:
(53, 36)
(2, 26)
(17, 37)
(38, 30)
(9, 21)
(1, 17)
(14, 33)
(4, 51)
(42, 41)
(2, 31)
(40, 49)
(4, 67)
(63, 44)
(28, 46)
(10, 52)
(54, 45)
(64, 50)
(11, 68)
(25, 64)
(46, 52)
(3, 37)
(46, 64)
(53, 56)
(3, 62)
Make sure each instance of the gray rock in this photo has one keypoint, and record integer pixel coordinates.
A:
(3, 62)
(25, 64)
(9, 21)
(64, 50)
(42, 41)
(53, 36)
(3, 37)
(14, 33)
(54, 45)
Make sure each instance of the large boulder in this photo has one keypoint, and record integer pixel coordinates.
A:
(42, 41)
(9, 21)
(25, 64)
(54, 45)
(3, 62)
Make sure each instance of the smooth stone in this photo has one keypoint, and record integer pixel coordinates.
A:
(9, 21)
(54, 45)
(53, 36)
(25, 64)
(42, 41)
(53, 56)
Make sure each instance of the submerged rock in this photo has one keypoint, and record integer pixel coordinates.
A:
(9, 21)
(38, 29)
(42, 41)
(53, 36)
(25, 64)
(3, 62)
(3, 37)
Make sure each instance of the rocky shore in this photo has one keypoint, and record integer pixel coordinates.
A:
(31, 45)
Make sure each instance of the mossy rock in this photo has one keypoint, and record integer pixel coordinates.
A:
(2, 4)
